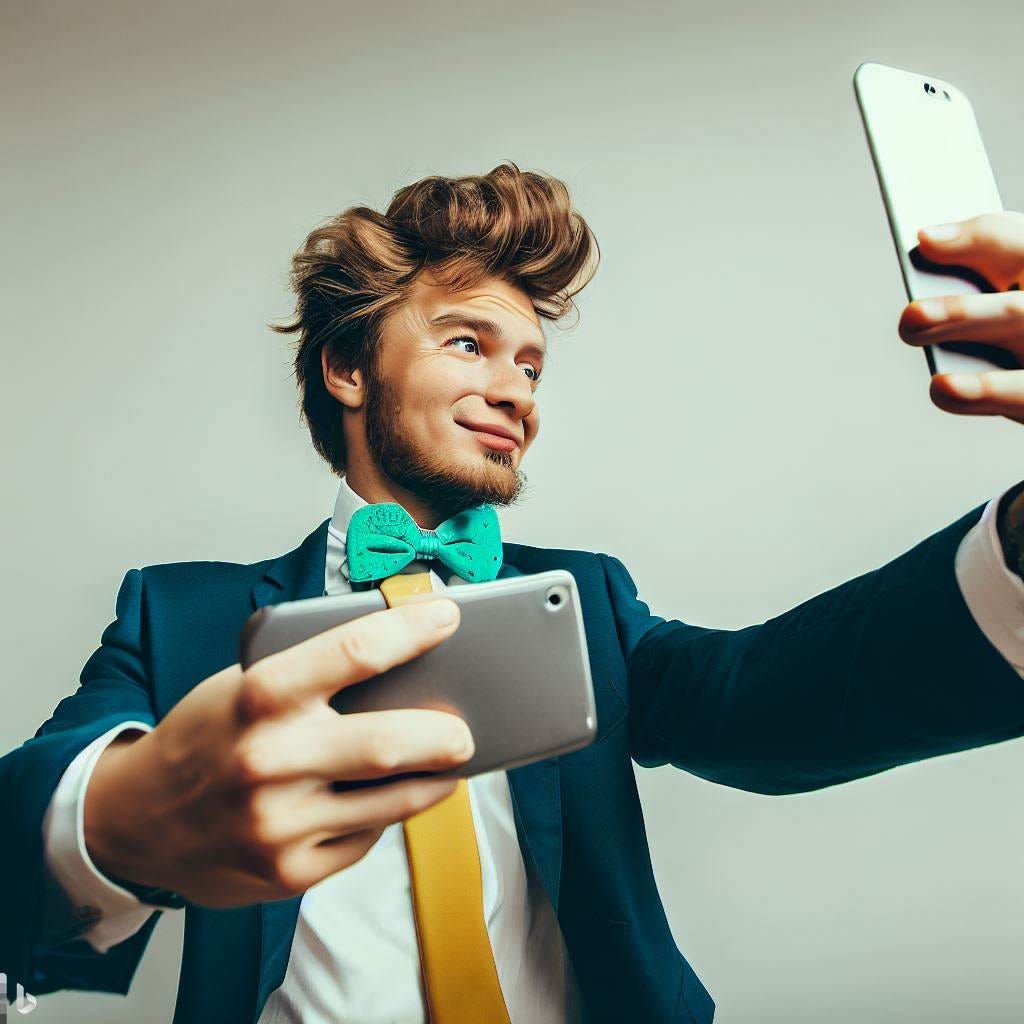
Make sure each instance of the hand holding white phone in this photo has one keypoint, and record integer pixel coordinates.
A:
(932, 168)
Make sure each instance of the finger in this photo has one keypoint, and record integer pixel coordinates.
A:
(305, 864)
(345, 654)
(325, 815)
(991, 243)
(997, 393)
(997, 318)
(383, 805)
(358, 745)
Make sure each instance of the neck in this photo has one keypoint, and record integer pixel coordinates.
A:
(373, 486)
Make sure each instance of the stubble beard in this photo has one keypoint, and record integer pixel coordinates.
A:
(446, 486)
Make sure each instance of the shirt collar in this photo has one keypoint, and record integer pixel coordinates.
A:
(345, 505)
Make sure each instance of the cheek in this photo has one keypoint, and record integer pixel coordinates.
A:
(428, 391)
(442, 388)
(531, 425)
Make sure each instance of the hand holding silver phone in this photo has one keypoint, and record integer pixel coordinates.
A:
(516, 670)
(932, 168)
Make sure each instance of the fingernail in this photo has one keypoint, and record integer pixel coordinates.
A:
(934, 309)
(442, 613)
(464, 746)
(942, 232)
(964, 384)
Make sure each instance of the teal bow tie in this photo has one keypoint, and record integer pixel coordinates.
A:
(383, 539)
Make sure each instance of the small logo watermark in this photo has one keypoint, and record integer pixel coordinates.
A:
(24, 1002)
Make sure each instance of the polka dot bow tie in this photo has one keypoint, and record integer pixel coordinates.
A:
(383, 539)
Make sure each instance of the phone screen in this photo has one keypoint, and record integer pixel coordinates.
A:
(932, 168)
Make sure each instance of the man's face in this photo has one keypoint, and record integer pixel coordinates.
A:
(450, 409)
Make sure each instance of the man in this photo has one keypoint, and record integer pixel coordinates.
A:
(173, 777)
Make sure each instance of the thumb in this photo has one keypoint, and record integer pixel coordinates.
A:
(991, 244)
(944, 242)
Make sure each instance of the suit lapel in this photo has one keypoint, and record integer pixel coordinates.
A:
(534, 788)
(296, 575)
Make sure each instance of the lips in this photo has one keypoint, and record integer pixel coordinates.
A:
(490, 428)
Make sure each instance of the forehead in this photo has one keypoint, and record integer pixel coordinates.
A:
(492, 299)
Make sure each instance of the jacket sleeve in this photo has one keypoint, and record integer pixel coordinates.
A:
(885, 669)
(113, 689)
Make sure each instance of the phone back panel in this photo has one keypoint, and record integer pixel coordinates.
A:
(932, 168)
(516, 669)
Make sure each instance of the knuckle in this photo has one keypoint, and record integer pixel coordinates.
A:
(423, 797)
(408, 803)
(286, 872)
(381, 752)
(360, 653)
(986, 228)
(955, 306)
(260, 824)
(256, 698)
(1015, 305)
(250, 763)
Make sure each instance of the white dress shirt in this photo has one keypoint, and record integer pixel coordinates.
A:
(354, 957)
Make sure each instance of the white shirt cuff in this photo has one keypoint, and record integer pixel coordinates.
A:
(993, 594)
(90, 891)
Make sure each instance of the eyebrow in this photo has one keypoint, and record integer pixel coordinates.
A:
(482, 326)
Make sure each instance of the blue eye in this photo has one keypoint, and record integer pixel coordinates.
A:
(531, 371)
(471, 341)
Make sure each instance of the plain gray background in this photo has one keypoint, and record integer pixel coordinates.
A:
(735, 378)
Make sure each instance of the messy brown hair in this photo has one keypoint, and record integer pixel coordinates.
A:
(356, 270)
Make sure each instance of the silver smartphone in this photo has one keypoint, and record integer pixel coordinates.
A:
(932, 168)
(516, 669)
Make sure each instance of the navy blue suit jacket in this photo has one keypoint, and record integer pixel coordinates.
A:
(887, 668)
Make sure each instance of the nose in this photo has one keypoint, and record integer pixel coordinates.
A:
(509, 388)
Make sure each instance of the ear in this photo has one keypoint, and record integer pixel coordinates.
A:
(347, 386)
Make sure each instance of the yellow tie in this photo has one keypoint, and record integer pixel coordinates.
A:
(459, 975)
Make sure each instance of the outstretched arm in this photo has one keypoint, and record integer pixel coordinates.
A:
(888, 668)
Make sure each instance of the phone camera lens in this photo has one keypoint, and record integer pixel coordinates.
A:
(929, 88)
(555, 598)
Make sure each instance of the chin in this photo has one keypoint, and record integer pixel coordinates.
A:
(452, 475)
(487, 466)
(493, 476)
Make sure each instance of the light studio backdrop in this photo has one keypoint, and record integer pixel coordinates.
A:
(735, 380)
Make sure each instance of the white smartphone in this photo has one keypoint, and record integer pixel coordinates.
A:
(932, 168)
